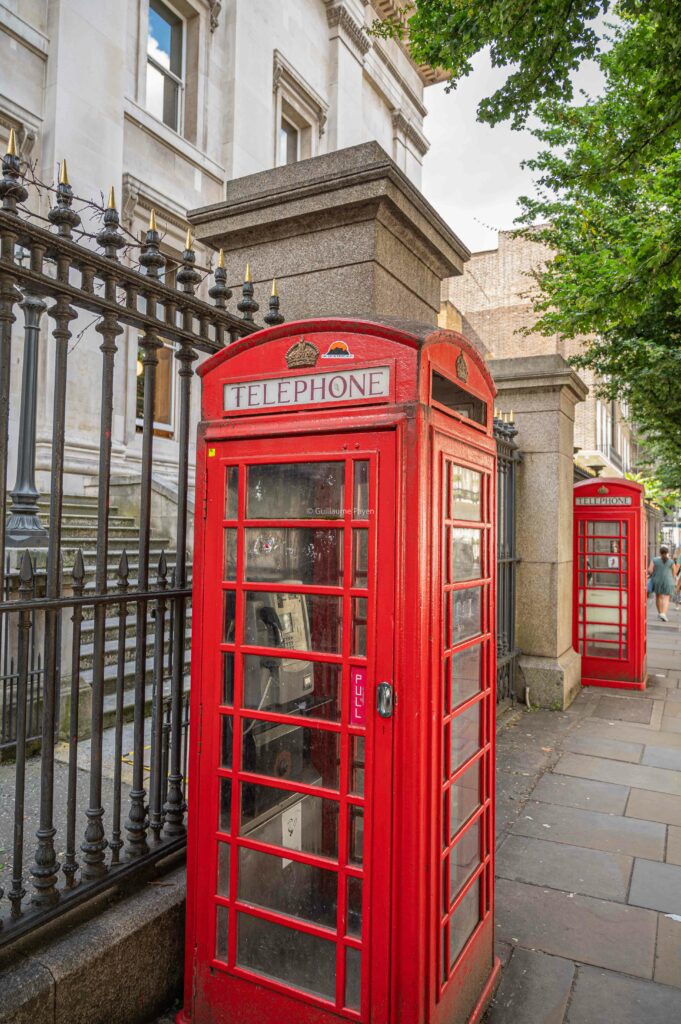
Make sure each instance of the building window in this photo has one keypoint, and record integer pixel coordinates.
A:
(164, 399)
(165, 65)
(299, 115)
(289, 142)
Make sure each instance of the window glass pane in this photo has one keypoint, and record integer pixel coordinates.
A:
(604, 529)
(164, 41)
(226, 745)
(465, 735)
(357, 765)
(353, 978)
(229, 571)
(163, 394)
(155, 107)
(466, 614)
(295, 555)
(277, 817)
(292, 686)
(464, 922)
(359, 627)
(288, 887)
(356, 854)
(296, 958)
(465, 675)
(464, 798)
(464, 859)
(296, 490)
(360, 503)
(288, 142)
(221, 932)
(354, 906)
(296, 622)
(360, 558)
(225, 819)
(466, 488)
(291, 752)
(232, 491)
(228, 679)
(223, 869)
(466, 554)
(230, 617)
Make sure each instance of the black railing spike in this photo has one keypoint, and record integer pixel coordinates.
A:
(26, 570)
(123, 567)
(247, 304)
(188, 276)
(61, 215)
(151, 257)
(12, 190)
(78, 571)
(219, 292)
(109, 237)
(274, 316)
(162, 568)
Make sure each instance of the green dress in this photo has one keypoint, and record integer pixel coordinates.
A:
(663, 577)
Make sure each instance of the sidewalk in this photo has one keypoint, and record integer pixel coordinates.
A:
(589, 854)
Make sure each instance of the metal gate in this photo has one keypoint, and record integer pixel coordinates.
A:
(508, 456)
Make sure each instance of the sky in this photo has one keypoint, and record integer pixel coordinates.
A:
(472, 173)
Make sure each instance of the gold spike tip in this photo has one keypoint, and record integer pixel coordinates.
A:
(12, 143)
(248, 278)
(152, 221)
(274, 287)
(111, 202)
(63, 174)
(189, 241)
(221, 259)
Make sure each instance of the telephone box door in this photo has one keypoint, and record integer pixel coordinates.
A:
(295, 768)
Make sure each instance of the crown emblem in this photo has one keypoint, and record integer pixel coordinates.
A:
(462, 367)
(603, 490)
(303, 353)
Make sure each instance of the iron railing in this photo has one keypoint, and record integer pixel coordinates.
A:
(508, 457)
(110, 800)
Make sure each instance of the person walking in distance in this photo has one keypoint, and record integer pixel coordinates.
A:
(661, 570)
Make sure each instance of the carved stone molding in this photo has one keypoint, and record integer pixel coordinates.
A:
(26, 136)
(401, 124)
(286, 79)
(338, 16)
(215, 8)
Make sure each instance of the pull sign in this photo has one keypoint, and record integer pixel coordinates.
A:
(358, 681)
(384, 700)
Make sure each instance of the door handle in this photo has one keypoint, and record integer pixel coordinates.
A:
(385, 700)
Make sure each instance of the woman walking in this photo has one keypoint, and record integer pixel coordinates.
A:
(661, 570)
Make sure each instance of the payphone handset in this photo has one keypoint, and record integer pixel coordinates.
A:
(278, 620)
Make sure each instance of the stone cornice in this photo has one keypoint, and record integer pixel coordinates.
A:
(404, 85)
(338, 16)
(402, 124)
(390, 9)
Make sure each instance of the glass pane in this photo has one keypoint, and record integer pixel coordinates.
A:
(277, 817)
(171, 102)
(225, 820)
(353, 978)
(288, 887)
(296, 490)
(465, 675)
(230, 555)
(464, 922)
(291, 752)
(297, 622)
(466, 488)
(228, 678)
(353, 924)
(231, 491)
(359, 627)
(356, 854)
(292, 686)
(155, 79)
(164, 42)
(465, 736)
(288, 142)
(357, 765)
(466, 554)
(221, 932)
(226, 745)
(604, 529)
(223, 869)
(360, 504)
(295, 555)
(464, 859)
(601, 649)
(230, 617)
(466, 617)
(296, 958)
(464, 798)
(360, 558)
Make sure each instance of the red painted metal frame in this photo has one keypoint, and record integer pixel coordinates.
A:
(628, 671)
(409, 439)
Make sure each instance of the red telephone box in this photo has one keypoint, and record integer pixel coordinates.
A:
(341, 822)
(609, 608)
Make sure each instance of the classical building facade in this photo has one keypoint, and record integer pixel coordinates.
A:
(492, 303)
(168, 100)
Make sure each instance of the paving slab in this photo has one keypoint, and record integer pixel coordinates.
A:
(674, 849)
(601, 997)
(662, 757)
(672, 708)
(668, 952)
(624, 709)
(670, 723)
(631, 733)
(561, 866)
(603, 746)
(584, 793)
(534, 989)
(593, 830)
(654, 807)
(640, 776)
(597, 932)
(656, 886)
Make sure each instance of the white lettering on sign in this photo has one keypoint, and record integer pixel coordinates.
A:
(604, 501)
(309, 389)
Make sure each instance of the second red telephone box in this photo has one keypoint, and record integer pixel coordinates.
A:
(341, 825)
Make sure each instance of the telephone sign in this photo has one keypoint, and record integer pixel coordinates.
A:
(341, 806)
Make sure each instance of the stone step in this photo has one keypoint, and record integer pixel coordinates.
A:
(131, 647)
(89, 522)
(79, 534)
(111, 625)
(129, 700)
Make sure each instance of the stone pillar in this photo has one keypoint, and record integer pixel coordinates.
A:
(542, 392)
(345, 234)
